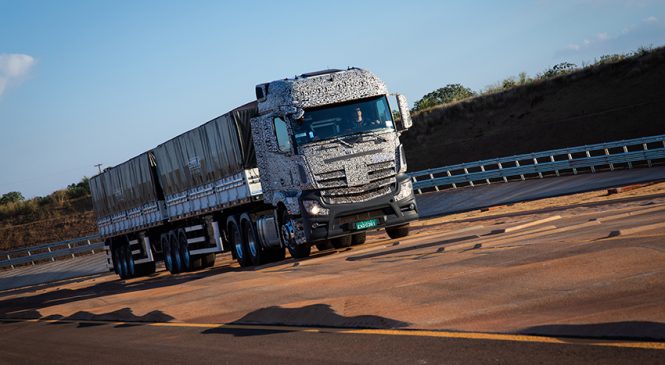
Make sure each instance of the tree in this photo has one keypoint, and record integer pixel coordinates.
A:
(559, 69)
(82, 188)
(11, 197)
(444, 95)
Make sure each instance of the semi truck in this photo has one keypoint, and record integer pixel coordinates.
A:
(315, 160)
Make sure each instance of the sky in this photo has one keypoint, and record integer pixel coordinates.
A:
(98, 82)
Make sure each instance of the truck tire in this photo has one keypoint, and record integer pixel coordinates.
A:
(119, 261)
(183, 251)
(129, 260)
(358, 238)
(341, 242)
(324, 245)
(286, 232)
(175, 253)
(398, 232)
(239, 247)
(208, 260)
(166, 251)
(257, 255)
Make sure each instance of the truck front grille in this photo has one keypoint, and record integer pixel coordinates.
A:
(335, 190)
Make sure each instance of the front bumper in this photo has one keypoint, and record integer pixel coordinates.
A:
(342, 217)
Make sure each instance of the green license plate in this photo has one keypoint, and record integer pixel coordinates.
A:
(367, 224)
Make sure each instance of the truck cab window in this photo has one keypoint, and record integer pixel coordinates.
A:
(282, 133)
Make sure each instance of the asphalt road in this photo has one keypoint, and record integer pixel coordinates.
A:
(120, 343)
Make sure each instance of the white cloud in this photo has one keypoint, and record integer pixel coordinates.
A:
(574, 47)
(651, 19)
(13, 69)
(602, 36)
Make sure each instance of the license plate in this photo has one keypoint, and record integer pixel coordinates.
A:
(367, 224)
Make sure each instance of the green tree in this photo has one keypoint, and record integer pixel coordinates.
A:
(559, 69)
(444, 95)
(82, 188)
(11, 197)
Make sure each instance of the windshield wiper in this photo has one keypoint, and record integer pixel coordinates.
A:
(340, 140)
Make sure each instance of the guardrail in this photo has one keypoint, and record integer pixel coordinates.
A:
(50, 251)
(612, 155)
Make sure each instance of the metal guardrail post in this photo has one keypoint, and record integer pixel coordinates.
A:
(593, 169)
(482, 168)
(644, 146)
(449, 174)
(70, 246)
(52, 258)
(10, 260)
(505, 179)
(32, 262)
(431, 176)
(93, 251)
(570, 158)
(517, 164)
(607, 153)
(535, 163)
(625, 150)
(466, 172)
(553, 160)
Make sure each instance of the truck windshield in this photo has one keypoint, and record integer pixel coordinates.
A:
(339, 120)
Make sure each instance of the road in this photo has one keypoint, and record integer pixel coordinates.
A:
(116, 343)
(588, 266)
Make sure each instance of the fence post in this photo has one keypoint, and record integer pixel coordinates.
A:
(588, 155)
(535, 162)
(466, 172)
(10, 261)
(413, 179)
(570, 157)
(431, 176)
(517, 163)
(93, 251)
(32, 262)
(625, 150)
(52, 258)
(552, 160)
(644, 145)
(607, 153)
(482, 168)
(70, 246)
(505, 179)
(449, 174)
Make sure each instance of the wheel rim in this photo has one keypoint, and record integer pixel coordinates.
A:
(251, 243)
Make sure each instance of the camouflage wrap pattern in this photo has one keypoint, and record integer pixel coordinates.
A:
(322, 90)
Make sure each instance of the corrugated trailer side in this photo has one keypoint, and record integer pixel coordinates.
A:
(127, 197)
(210, 167)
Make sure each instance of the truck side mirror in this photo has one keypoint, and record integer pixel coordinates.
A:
(405, 121)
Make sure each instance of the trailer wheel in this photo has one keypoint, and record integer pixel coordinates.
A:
(175, 253)
(341, 242)
(256, 252)
(129, 260)
(398, 232)
(183, 251)
(120, 262)
(287, 234)
(239, 248)
(358, 238)
(166, 250)
(208, 260)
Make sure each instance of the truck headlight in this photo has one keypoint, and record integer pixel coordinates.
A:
(405, 190)
(312, 207)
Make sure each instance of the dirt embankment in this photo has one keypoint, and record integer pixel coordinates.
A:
(598, 104)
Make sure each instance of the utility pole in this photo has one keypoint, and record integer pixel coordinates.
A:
(99, 167)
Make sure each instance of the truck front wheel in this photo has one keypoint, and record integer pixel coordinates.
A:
(287, 232)
(398, 232)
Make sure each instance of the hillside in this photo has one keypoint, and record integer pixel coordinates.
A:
(601, 103)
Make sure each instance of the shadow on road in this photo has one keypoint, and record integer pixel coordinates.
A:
(28, 307)
(316, 315)
(410, 248)
(630, 330)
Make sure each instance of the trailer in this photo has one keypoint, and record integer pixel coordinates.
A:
(313, 161)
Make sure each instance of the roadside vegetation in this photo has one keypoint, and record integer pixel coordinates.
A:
(453, 93)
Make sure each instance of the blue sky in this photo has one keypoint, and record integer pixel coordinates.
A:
(87, 82)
